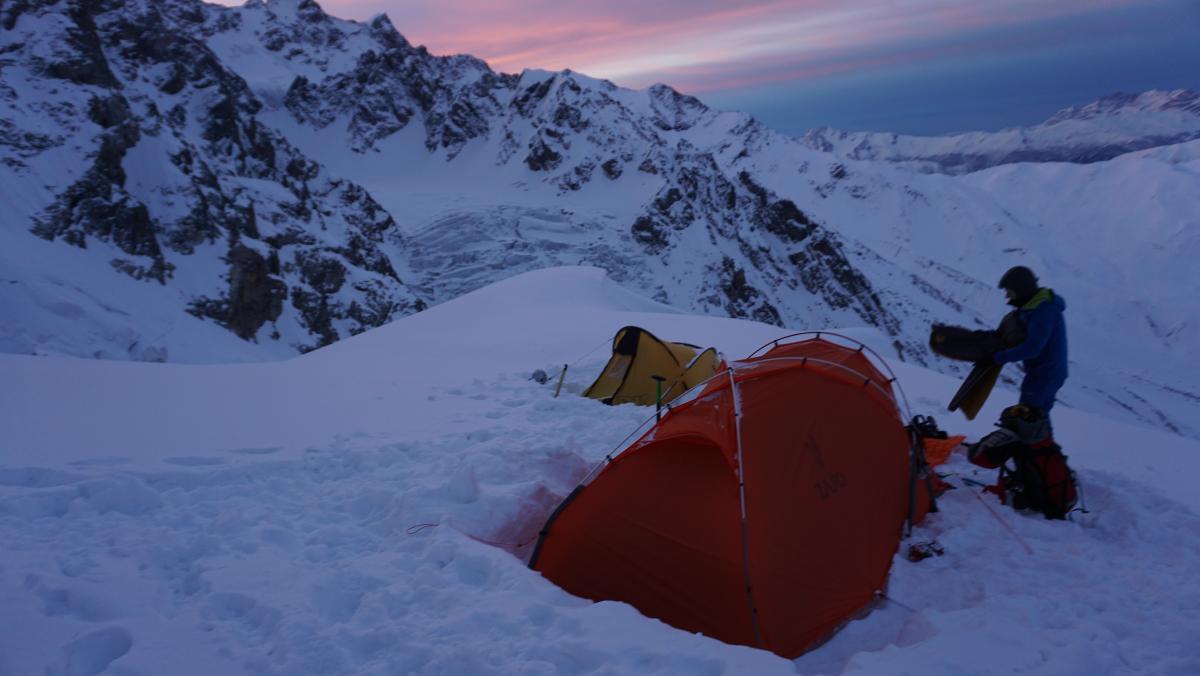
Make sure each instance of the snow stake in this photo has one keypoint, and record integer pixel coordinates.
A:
(562, 375)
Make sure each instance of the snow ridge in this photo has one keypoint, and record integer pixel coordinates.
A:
(1119, 104)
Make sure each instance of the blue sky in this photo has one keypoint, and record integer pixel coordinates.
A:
(1156, 46)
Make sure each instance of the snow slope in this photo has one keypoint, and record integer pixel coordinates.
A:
(122, 134)
(65, 299)
(267, 518)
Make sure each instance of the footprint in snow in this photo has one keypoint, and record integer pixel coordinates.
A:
(94, 652)
(75, 602)
(252, 618)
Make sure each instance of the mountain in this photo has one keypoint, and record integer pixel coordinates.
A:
(1099, 131)
(125, 134)
(188, 182)
(332, 514)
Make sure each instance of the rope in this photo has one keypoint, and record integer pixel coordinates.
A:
(589, 352)
(879, 594)
(417, 528)
(1016, 536)
(515, 545)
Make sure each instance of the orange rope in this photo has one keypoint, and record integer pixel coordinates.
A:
(1028, 549)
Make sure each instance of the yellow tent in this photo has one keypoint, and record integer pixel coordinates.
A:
(638, 356)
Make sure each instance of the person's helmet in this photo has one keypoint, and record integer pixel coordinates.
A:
(1022, 282)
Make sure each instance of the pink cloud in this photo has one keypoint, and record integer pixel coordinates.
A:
(702, 45)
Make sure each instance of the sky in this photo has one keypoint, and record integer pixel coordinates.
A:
(910, 66)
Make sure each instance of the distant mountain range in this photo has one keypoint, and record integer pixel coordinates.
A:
(189, 182)
(1099, 131)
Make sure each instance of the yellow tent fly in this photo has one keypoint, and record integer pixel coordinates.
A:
(638, 356)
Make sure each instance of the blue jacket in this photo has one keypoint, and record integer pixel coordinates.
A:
(1044, 351)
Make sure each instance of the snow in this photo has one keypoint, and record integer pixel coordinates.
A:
(268, 518)
(61, 299)
(326, 513)
(1106, 127)
(270, 73)
(1114, 237)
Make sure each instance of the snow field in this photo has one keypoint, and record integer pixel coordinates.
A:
(1109, 592)
(157, 544)
(306, 566)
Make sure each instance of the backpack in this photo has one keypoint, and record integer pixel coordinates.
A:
(1038, 477)
(995, 449)
(1039, 480)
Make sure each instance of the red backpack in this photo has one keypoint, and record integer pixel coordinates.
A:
(1039, 479)
(1033, 470)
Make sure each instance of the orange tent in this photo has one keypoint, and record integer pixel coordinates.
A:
(763, 509)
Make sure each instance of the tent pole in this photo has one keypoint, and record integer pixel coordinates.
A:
(658, 381)
(741, 468)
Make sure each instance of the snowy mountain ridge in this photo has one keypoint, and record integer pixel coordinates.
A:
(185, 187)
(1120, 104)
(1101, 130)
(296, 179)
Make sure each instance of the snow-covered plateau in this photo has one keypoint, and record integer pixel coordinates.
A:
(332, 513)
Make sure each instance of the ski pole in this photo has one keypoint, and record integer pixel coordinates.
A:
(561, 376)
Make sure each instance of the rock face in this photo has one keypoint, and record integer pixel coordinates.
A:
(182, 173)
(392, 83)
(139, 87)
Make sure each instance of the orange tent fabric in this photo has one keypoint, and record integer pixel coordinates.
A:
(762, 510)
(937, 451)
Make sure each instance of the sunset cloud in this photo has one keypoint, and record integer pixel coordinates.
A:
(711, 45)
(800, 63)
